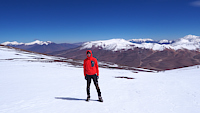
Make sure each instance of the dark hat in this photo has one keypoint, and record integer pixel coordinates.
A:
(88, 52)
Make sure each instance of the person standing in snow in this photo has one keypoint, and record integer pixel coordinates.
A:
(91, 72)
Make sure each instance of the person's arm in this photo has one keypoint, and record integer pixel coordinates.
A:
(97, 67)
(84, 68)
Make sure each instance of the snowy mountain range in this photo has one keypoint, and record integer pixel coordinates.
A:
(140, 41)
(31, 43)
(190, 42)
(42, 46)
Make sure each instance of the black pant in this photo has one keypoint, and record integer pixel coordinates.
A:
(95, 80)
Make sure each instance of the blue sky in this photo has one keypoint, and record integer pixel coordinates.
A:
(86, 20)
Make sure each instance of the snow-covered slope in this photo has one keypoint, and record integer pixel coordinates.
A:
(41, 87)
(189, 42)
(31, 43)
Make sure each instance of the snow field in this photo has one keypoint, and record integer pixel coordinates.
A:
(36, 87)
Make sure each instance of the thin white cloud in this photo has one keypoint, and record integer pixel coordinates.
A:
(195, 3)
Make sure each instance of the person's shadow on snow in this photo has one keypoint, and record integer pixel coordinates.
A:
(69, 98)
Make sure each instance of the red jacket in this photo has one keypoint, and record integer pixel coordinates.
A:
(90, 65)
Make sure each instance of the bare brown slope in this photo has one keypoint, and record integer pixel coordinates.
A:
(145, 58)
(170, 59)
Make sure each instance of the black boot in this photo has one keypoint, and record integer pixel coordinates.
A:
(100, 99)
(88, 98)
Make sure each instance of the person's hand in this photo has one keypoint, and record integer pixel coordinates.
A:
(97, 77)
(85, 77)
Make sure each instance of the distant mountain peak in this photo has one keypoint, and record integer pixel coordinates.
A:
(12, 43)
(38, 42)
(31, 43)
(191, 37)
(140, 40)
(191, 40)
(112, 44)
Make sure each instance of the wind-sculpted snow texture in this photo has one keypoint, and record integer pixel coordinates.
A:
(57, 87)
